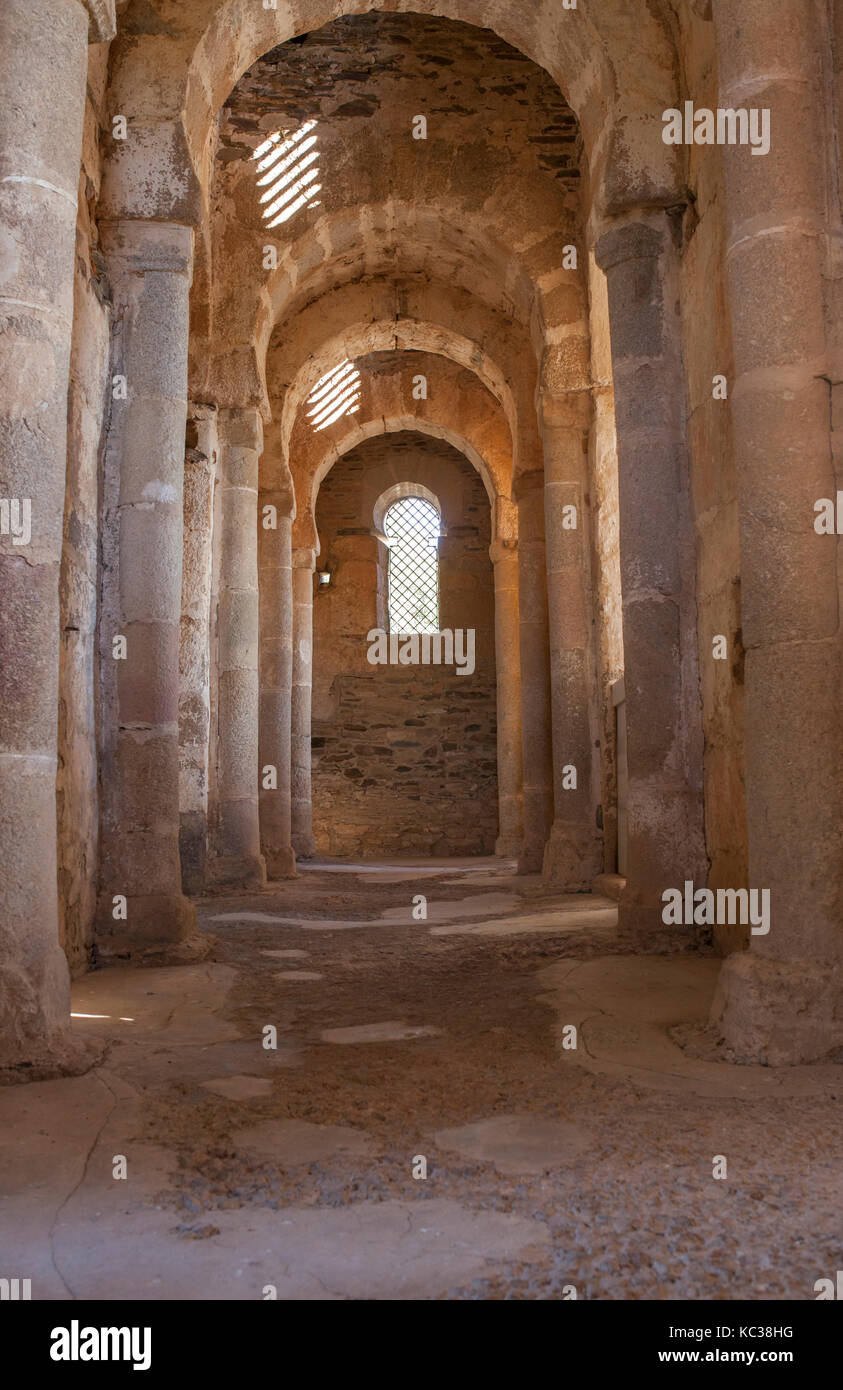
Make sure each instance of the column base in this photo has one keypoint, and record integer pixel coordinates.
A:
(281, 863)
(304, 846)
(157, 921)
(571, 859)
(779, 1013)
(641, 929)
(35, 1038)
(507, 847)
(609, 886)
(531, 858)
(66, 1056)
(237, 871)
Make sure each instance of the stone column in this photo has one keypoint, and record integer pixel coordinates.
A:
(304, 563)
(200, 467)
(535, 673)
(275, 560)
(150, 266)
(41, 121)
(573, 857)
(236, 858)
(504, 554)
(782, 1000)
(666, 845)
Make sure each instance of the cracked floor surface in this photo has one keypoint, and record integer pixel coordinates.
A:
(403, 1045)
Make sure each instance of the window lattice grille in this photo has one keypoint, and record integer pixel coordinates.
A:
(412, 528)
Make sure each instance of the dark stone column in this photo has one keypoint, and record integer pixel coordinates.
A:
(664, 723)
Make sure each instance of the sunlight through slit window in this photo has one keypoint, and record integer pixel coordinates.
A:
(335, 394)
(288, 170)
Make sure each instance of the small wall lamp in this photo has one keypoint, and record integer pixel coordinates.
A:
(323, 578)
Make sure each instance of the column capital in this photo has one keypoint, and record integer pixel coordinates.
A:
(305, 536)
(201, 410)
(526, 483)
(505, 516)
(136, 247)
(242, 428)
(102, 20)
(503, 549)
(279, 493)
(304, 560)
(630, 239)
(564, 411)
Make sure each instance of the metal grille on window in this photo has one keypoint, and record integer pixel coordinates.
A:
(412, 528)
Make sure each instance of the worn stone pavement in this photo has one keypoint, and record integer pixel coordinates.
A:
(551, 1169)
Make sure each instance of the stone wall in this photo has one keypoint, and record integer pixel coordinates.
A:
(400, 752)
(407, 765)
(76, 782)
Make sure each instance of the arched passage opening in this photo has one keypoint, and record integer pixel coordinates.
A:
(404, 725)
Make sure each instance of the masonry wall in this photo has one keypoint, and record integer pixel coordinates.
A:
(404, 757)
(76, 782)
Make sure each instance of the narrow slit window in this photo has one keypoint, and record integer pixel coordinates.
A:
(288, 169)
(336, 393)
(412, 529)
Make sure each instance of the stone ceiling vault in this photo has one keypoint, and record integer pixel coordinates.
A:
(176, 61)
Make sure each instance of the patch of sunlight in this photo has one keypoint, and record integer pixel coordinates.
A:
(336, 393)
(288, 168)
(120, 1020)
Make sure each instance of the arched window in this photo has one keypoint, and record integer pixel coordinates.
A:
(411, 526)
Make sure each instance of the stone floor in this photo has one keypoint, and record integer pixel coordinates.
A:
(550, 1167)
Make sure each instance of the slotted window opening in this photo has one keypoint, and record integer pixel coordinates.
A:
(412, 528)
(336, 393)
(288, 169)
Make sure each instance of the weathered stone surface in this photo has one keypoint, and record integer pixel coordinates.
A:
(41, 134)
(239, 1087)
(295, 1207)
(396, 1031)
(517, 1144)
(291, 1142)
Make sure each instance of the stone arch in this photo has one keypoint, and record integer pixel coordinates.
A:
(430, 340)
(445, 244)
(172, 73)
(395, 425)
(408, 336)
(460, 409)
(457, 321)
(504, 556)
